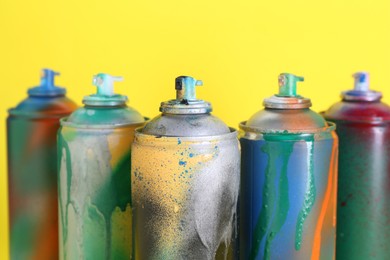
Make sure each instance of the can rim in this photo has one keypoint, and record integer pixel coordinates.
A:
(331, 127)
(64, 122)
(277, 102)
(233, 134)
(190, 107)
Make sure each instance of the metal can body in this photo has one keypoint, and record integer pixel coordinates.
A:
(363, 229)
(363, 213)
(32, 179)
(94, 197)
(184, 192)
(288, 179)
(288, 198)
(94, 192)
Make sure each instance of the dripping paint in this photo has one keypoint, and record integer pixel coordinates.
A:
(95, 193)
(310, 196)
(285, 189)
(274, 208)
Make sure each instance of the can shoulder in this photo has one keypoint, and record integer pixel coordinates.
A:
(186, 125)
(359, 111)
(286, 120)
(57, 106)
(89, 116)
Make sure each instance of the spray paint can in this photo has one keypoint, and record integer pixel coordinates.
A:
(94, 143)
(185, 180)
(288, 180)
(32, 180)
(363, 126)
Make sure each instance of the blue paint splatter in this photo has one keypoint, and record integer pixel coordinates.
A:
(182, 163)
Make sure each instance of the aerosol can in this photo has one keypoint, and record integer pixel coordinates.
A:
(288, 180)
(185, 181)
(94, 176)
(363, 214)
(32, 169)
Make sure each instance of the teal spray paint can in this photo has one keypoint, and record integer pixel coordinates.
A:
(94, 143)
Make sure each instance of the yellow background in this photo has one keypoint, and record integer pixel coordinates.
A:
(237, 48)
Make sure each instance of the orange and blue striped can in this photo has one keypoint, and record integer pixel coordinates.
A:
(32, 170)
(288, 180)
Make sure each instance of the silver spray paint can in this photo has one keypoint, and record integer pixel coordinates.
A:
(185, 181)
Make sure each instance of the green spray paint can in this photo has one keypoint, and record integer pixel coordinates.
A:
(95, 216)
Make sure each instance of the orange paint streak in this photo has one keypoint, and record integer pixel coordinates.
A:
(328, 194)
(43, 132)
(46, 240)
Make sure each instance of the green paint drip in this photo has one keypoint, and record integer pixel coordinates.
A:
(274, 151)
(93, 223)
(64, 221)
(310, 197)
(115, 193)
(59, 158)
(69, 183)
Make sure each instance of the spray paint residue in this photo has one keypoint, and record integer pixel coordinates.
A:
(271, 197)
(310, 196)
(108, 192)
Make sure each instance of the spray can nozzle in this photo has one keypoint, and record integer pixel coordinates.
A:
(186, 88)
(105, 83)
(47, 87)
(362, 81)
(186, 101)
(288, 85)
(287, 97)
(47, 78)
(361, 90)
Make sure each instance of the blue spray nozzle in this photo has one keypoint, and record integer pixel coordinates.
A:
(47, 87)
(361, 90)
(47, 78)
(362, 81)
(186, 87)
(105, 83)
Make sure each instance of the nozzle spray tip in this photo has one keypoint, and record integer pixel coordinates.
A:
(186, 87)
(288, 84)
(362, 81)
(105, 83)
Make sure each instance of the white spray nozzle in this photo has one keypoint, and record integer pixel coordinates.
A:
(362, 81)
(105, 83)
